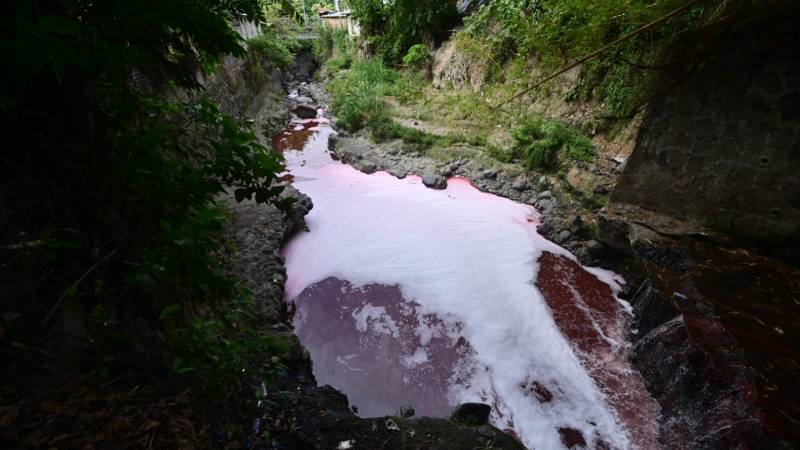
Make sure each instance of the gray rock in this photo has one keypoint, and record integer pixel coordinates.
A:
(613, 232)
(399, 172)
(545, 206)
(475, 414)
(601, 190)
(576, 223)
(544, 228)
(563, 236)
(305, 111)
(520, 184)
(368, 167)
(545, 194)
(447, 171)
(303, 100)
(595, 249)
(489, 174)
(333, 141)
(542, 184)
(395, 148)
(434, 181)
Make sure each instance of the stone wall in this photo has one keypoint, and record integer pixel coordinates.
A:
(722, 147)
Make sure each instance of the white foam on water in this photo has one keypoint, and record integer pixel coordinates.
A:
(470, 258)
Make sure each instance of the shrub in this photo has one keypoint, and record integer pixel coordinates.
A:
(393, 26)
(539, 143)
(272, 48)
(562, 31)
(417, 56)
(357, 95)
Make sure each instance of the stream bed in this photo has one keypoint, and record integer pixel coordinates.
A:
(409, 296)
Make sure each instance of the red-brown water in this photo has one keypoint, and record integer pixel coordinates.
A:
(411, 296)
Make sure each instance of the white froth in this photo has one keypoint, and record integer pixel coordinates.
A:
(470, 258)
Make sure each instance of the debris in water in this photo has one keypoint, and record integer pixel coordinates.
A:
(391, 425)
(344, 445)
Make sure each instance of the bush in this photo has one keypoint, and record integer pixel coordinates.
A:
(561, 31)
(417, 56)
(541, 144)
(273, 48)
(357, 95)
(393, 26)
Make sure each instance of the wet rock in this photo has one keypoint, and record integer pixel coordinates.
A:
(333, 141)
(595, 249)
(489, 174)
(544, 228)
(303, 100)
(545, 194)
(572, 438)
(651, 308)
(305, 111)
(563, 236)
(434, 181)
(475, 414)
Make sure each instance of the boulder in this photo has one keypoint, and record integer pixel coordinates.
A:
(475, 414)
(434, 181)
(305, 111)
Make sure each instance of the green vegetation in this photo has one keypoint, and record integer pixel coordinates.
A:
(542, 144)
(335, 48)
(112, 164)
(272, 48)
(417, 56)
(358, 94)
(558, 32)
(393, 26)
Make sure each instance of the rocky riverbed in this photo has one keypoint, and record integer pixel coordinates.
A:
(683, 320)
(296, 412)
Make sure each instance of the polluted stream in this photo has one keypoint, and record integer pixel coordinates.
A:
(409, 296)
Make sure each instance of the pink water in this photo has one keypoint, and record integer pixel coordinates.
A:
(412, 296)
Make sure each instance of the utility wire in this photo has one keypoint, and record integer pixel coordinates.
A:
(599, 51)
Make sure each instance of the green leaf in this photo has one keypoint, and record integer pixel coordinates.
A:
(169, 311)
